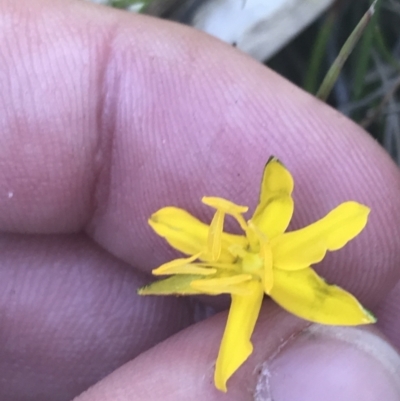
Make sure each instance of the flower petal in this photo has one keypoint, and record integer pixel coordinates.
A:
(174, 285)
(275, 207)
(302, 248)
(232, 284)
(235, 345)
(308, 296)
(188, 234)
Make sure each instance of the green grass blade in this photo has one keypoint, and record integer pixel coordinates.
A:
(345, 51)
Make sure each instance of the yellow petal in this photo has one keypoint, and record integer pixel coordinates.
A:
(183, 266)
(236, 345)
(188, 234)
(175, 285)
(182, 231)
(275, 207)
(304, 247)
(308, 296)
(223, 285)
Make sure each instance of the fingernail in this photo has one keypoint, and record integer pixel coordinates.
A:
(331, 363)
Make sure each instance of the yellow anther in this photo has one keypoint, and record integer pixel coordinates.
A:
(228, 207)
(214, 240)
(224, 205)
(268, 279)
(176, 266)
(265, 254)
(237, 251)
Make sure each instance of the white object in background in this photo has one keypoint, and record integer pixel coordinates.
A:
(104, 2)
(257, 27)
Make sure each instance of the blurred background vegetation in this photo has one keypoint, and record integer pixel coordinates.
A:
(367, 89)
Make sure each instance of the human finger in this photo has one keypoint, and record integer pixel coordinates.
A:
(133, 130)
(388, 313)
(70, 315)
(292, 360)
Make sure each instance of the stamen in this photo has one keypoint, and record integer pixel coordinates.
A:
(175, 265)
(268, 279)
(266, 256)
(225, 205)
(253, 236)
(242, 222)
(214, 241)
(217, 265)
(237, 251)
(229, 208)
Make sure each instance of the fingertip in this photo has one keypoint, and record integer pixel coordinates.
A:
(182, 367)
(388, 313)
(70, 315)
(291, 360)
(332, 363)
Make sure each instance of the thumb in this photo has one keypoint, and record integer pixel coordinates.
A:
(292, 360)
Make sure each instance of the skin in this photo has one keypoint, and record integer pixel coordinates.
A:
(106, 117)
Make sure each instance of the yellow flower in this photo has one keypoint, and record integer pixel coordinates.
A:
(264, 259)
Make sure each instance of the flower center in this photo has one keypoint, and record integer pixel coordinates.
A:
(256, 259)
(248, 262)
(252, 263)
